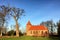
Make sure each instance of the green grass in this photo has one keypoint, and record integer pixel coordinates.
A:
(31, 38)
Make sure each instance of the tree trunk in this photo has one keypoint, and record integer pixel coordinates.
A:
(1, 32)
(17, 29)
(17, 26)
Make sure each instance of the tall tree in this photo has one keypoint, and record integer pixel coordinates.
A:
(16, 13)
(58, 24)
(3, 12)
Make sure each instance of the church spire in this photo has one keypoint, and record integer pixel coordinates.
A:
(29, 23)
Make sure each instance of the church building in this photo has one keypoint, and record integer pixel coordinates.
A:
(36, 30)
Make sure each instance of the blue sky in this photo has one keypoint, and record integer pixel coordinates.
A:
(35, 10)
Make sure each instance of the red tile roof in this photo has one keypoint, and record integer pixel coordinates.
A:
(38, 27)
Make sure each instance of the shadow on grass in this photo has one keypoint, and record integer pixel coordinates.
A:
(54, 38)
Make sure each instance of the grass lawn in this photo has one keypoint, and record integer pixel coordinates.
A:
(30, 38)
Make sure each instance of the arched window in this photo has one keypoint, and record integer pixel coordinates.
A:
(31, 32)
(36, 32)
(45, 32)
(41, 32)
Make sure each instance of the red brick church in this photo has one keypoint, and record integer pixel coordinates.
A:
(36, 30)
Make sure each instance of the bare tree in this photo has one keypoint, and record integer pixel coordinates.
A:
(3, 12)
(16, 13)
(58, 24)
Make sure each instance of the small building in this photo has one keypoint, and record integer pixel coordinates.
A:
(36, 30)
